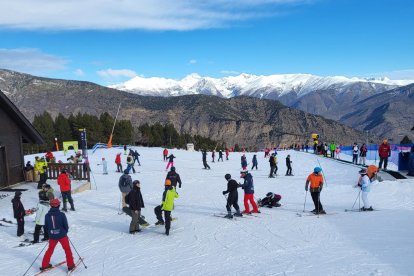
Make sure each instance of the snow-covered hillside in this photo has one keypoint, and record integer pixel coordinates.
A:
(247, 84)
(275, 242)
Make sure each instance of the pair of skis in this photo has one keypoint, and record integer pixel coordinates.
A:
(60, 264)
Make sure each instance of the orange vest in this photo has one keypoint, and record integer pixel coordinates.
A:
(315, 180)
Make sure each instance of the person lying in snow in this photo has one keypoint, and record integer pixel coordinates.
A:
(271, 200)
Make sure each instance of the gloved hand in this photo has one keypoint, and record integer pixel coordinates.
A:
(179, 186)
(306, 188)
(224, 192)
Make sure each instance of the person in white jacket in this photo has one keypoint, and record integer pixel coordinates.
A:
(365, 183)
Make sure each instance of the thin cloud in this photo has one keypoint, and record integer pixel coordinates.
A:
(135, 14)
(79, 72)
(116, 73)
(192, 61)
(229, 72)
(30, 60)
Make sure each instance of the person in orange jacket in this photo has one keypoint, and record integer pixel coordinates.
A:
(65, 188)
(316, 182)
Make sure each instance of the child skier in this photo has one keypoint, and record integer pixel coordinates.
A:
(244, 162)
(45, 195)
(254, 162)
(271, 200)
(19, 212)
(365, 183)
(170, 161)
(104, 166)
(233, 197)
(167, 206)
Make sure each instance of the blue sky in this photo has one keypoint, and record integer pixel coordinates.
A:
(108, 41)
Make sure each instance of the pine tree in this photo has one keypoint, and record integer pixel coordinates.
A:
(44, 125)
(62, 129)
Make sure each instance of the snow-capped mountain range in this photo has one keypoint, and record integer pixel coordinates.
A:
(272, 86)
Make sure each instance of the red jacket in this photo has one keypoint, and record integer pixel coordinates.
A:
(118, 159)
(64, 182)
(165, 152)
(384, 150)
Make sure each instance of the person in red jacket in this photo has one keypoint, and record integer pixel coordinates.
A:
(384, 151)
(118, 162)
(64, 183)
(165, 154)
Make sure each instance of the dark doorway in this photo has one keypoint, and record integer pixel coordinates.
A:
(3, 167)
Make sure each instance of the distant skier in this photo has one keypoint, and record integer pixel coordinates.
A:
(174, 177)
(45, 195)
(363, 154)
(355, 151)
(125, 186)
(57, 228)
(365, 183)
(233, 197)
(18, 212)
(206, 166)
(170, 161)
(118, 162)
(384, 152)
(167, 206)
(272, 163)
(271, 200)
(248, 188)
(104, 166)
(316, 183)
(289, 166)
(332, 148)
(220, 156)
(136, 157)
(213, 155)
(165, 154)
(254, 162)
(243, 162)
(65, 189)
(227, 154)
(130, 163)
(125, 150)
(136, 203)
(338, 152)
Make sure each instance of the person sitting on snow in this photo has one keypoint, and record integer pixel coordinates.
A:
(271, 200)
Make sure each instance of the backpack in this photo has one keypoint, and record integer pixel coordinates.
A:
(124, 182)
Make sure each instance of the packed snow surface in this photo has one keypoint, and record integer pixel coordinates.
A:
(275, 242)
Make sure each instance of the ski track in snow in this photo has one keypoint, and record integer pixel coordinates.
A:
(275, 242)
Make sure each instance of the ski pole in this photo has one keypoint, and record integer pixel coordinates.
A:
(80, 258)
(323, 174)
(304, 204)
(35, 259)
(356, 199)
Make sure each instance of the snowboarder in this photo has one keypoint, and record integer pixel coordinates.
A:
(18, 212)
(118, 162)
(135, 202)
(272, 163)
(254, 162)
(174, 177)
(243, 162)
(65, 188)
(125, 186)
(248, 188)
(363, 154)
(170, 161)
(167, 206)
(365, 182)
(165, 154)
(206, 166)
(45, 195)
(316, 182)
(384, 152)
(104, 166)
(56, 225)
(288, 165)
(130, 163)
(233, 197)
(220, 156)
(271, 200)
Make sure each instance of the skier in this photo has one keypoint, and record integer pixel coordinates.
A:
(233, 197)
(65, 189)
(136, 202)
(220, 156)
(125, 186)
(170, 161)
(204, 153)
(271, 200)
(174, 177)
(130, 163)
(118, 162)
(227, 154)
(355, 150)
(248, 188)
(165, 154)
(316, 182)
(136, 157)
(125, 150)
(244, 162)
(18, 212)
(325, 150)
(254, 162)
(332, 148)
(384, 152)
(45, 195)
(337, 152)
(167, 206)
(363, 154)
(365, 183)
(41, 167)
(289, 167)
(272, 163)
(57, 228)
(104, 166)
(213, 154)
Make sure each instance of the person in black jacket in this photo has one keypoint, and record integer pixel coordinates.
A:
(272, 163)
(220, 156)
(174, 177)
(271, 200)
(136, 202)
(289, 167)
(254, 162)
(18, 212)
(206, 166)
(233, 197)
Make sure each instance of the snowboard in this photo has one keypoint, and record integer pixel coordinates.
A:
(142, 220)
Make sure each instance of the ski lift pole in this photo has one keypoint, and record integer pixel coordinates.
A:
(323, 174)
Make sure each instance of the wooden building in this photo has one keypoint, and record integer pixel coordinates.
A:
(15, 130)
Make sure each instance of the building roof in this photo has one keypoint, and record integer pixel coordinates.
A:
(30, 134)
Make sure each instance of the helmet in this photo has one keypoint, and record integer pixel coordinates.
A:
(317, 170)
(269, 194)
(55, 202)
(363, 171)
(227, 176)
(167, 182)
(173, 169)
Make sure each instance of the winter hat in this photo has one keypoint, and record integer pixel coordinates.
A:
(167, 182)
(317, 170)
(126, 171)
(136, 182)
(227, 176)
(269, 194)
(17, 193)
(173, 169)
(55, 202)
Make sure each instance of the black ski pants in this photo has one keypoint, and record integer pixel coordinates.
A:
(355, 158)
(272, 169)
(289, 170)
(20, 226)
(206, 166)
(383, 160)
(67, 196)
(42, 180)
(232, 201)
(37, 233)
(167, 216)
(316, 196)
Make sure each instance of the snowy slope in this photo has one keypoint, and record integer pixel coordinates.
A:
(246, 84)
(277, 242)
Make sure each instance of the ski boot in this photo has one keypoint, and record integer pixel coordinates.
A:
(238, 214)
(45, 268)
(159, 222)
(229, 216)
